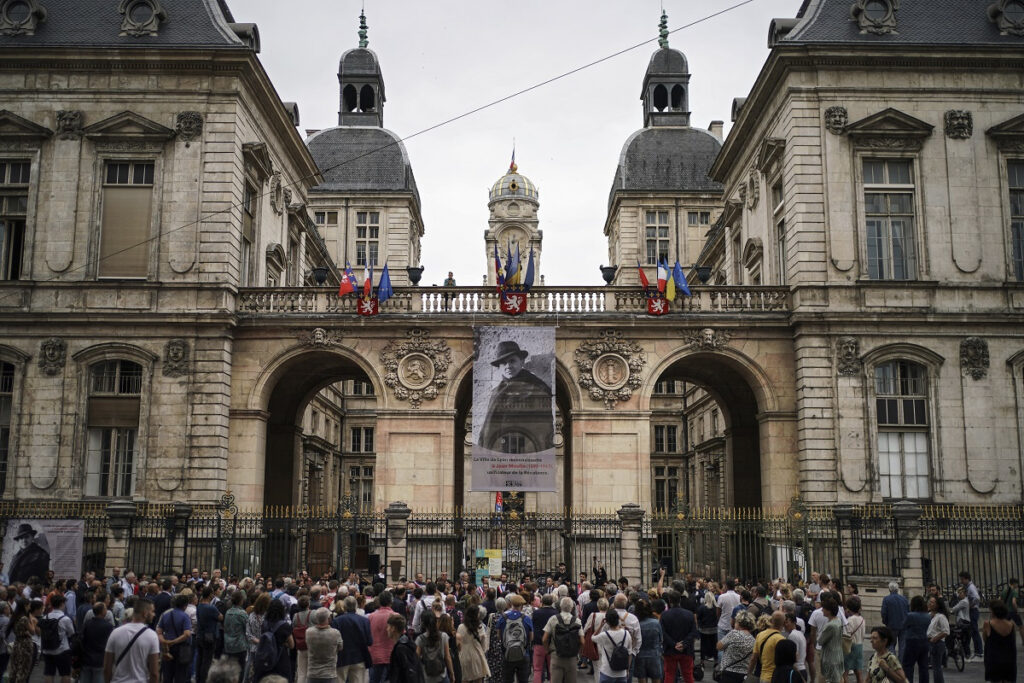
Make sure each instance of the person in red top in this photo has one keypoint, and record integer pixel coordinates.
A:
(380, 651)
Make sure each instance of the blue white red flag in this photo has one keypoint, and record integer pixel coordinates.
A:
(498, 503)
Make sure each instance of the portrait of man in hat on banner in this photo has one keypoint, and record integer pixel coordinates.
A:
(519, 416)
(30, 558)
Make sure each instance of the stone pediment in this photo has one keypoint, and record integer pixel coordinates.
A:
(752, 252)
(257, 156)
(128, 126)
(770, 153)
(15, 127)
(890, 129)
(1009, 135)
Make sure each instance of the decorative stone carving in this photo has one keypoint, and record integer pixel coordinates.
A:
(743, 194)
(753, 189)
(53, 353)
(610, 367)
(189, 126)
(141, 17)
(1008, 24)
(69, 124)
(176, 357)
(21, 17)
(836, 119)
(875, 16)
(287, 197)
(417, 368)
(974, 357)
(848, 356)
(276, 193)
(959, 124)
(320, 338)
(707, 339)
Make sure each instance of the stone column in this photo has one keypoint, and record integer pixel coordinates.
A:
(119, 523)
(397, 514)
(632, 517)
(849, 552)
(907, 523)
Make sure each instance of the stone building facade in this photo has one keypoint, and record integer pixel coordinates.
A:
(165, 335)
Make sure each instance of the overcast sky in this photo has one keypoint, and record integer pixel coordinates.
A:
(444, 58)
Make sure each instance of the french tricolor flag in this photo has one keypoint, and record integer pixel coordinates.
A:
(498, 503)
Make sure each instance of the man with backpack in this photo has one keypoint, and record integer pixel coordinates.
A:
(404, 665)
(174, 630)
(56, 630)
(515, 630)
(540, 618)
(563, 636)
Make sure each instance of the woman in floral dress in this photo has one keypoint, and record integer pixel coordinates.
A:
(23, 652)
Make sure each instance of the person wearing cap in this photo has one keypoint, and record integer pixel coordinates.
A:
(31, 559)
(520, 416)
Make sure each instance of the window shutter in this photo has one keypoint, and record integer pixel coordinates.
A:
(124, 249)
(113, 412)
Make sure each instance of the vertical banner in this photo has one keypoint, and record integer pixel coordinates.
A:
(514, 409)
(32, 547)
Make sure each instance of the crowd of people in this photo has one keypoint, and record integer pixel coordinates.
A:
(207, 628)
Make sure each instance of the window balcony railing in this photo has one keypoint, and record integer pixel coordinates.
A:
(477, 300)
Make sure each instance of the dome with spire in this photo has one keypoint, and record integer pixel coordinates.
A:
(514, 185)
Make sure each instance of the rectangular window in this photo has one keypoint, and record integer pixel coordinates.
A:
(110, 461)
(666, 486)
(249, 198)
(737, 259)
(1016, 175)
(659, 439)
(361, 388)
(780, 231)
(127, 213)
(14, 177)
(670, 438)
(326, 217)
(362, 439)
(889, 216)
(695, 218)
(293, 263)
(367, 237)
(656, 232)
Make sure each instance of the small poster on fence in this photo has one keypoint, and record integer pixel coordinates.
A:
(488, 563)
(33, 547)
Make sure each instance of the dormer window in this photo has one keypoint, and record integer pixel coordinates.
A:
(875, 16)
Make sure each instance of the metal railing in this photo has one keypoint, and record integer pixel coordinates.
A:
(263, 301)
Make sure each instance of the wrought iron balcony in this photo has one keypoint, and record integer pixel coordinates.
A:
(476, 300)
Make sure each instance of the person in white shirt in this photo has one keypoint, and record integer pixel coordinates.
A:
(727, 601)
(426, 602)
(794, 633)
(629, 622)
(57, 660)
(132, 654)
(611, 636)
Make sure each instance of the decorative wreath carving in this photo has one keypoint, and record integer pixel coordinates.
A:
(707, 339)
(848, 356)
(276, 193)
(320, 338)
(875, 16)
(623, 358)
(974, 357)
(53, 353)
(189, 126)
(21, 17)
(753, 189)
(409, 381)
(176, 353)
(959, 124)
(141, 17)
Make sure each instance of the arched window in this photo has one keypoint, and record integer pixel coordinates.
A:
(660, 97)
(115, 388)
(677, 97)
(366, 98)
(901, 406)
(349, 97)
(6, 408)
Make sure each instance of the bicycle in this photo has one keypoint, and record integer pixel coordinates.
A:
(957, 651)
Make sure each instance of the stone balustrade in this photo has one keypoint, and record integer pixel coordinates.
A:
(477, 300)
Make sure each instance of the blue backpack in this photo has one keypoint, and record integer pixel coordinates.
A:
(267, 655)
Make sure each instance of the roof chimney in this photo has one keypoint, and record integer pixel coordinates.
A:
(716, 129)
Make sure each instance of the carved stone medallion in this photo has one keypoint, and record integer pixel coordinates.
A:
(974, 357)
(1009, 23)
(176, 353)
(707, 339)
(141, 17)
(836, 119)
(69, 124)
(53, 353)
(189, 126)
(417, 368)
(875, 16)
(959, 124)
(276, 193)
(610, 367)
(320, 337)
(848, 356)
(415, 371)
(753, 189)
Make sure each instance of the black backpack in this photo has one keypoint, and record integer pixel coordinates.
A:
(619, 659)
(50, 632)
(407, 667)
(567, 637)
(267, 654)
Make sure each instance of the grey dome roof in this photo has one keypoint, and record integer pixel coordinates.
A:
(362, 159)
(513, 185)
(667, 61)
(667, 158)
(359, 61)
